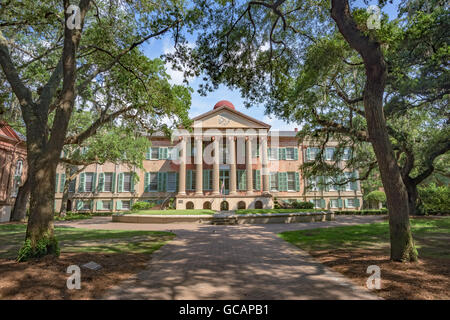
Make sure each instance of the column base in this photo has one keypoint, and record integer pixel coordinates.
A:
(181, 193)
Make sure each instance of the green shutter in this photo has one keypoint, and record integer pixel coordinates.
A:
(56, 182)
(282, 153)
(148, 153)
(345, 203)
(308, 153)
(99, 205)
(132, 177)
(257, 180)
(282, 181)
(162, 181)
(296, 153)
(177, 179)
(242, 179)
(81, 184)
(119, 205)
(166, 153)
(120, 182)
(79, 205)
(113, 183)
(147, 182)
(101, 182)
(340, 203)
(356, 202)
(160, 153)
(297, 180)
(354, 184)
(63, 182)
(94, 180)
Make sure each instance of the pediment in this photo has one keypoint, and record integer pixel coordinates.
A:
(224, 117)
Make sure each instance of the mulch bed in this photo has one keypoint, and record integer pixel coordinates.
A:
(46, 278)
(428, 279)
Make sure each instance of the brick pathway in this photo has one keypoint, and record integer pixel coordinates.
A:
(232, 262)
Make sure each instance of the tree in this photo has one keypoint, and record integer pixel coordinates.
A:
(261, 48)
(56, 57)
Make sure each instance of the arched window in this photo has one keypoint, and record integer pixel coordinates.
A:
(224, 206)
(258, 205)
(241, 205)
(207, 205)
(19, 168)
(189, 205)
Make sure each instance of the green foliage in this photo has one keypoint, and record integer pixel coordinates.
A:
(44, 246)
(434, 199)
(361, 212)
(301, 205)
(142, 205)
(268, 211)
(376, 195)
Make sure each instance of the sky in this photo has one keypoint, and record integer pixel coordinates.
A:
(201, 104)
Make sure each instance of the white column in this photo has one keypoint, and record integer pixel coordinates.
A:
(248, 165)
(182, 172)
(198, 166)
(232, 151)
(216, 186)
(264, 160)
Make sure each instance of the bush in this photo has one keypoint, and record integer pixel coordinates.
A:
(362, 212)
(434, 199)
(378, 196)
(302, 205)
(46, 245)
(141, 205)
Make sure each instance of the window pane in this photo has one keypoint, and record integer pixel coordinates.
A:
(88, 182)
(125, 205)
(108, 182)
(274, 181)
(290, 153)
(153, 181)
(291, 181)
(106, 205)
(127, 182)
(86, 205)
(155, 153)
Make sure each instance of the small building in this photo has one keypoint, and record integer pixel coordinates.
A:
(13, 168)
(228, 161)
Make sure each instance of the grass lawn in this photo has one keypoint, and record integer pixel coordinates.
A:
(120, 253)
(351, 249)
(172, 212)
(259, 211)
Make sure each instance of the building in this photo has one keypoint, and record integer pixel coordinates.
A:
(13, 168)
(228, 161)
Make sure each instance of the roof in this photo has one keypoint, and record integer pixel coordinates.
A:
(10, 133)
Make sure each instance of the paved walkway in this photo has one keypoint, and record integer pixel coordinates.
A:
(232, 262)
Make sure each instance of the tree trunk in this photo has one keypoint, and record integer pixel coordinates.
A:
(402, 245)
(413, 195)
(20, 205)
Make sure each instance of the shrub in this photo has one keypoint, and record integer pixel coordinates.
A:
(362, 212)
(46, 245)
(301, 205)
(141, 205)
(434, 199)
(376, 195)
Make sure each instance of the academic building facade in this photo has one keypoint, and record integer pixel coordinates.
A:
(226, 161)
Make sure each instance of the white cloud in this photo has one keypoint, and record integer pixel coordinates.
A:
(278, 124)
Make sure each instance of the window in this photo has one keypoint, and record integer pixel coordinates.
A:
(154, 154)
(274, 181)
(351, 203)
(171, 181)
(334, 203)
(88, 182)
(19, 168)
(106, 205)
(349, 185)
(273, 154)
(190, 179)
(86, 204)
(347, 154)
(107, 184)
(330, 185)
(127, 182)
(256, 176)
(329, 154)
(312, 183)
(126, 205)
(290, 154)
(72, 185)
(153, 181)
(291, 181)
(318, 203)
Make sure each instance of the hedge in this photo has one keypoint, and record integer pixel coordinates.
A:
(362, 212)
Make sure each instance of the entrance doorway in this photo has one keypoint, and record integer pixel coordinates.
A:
(224, 181)
(224, 206)
(69, 205)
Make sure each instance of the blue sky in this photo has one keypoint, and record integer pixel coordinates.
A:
(201, 104)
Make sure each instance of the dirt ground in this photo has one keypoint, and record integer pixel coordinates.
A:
(428, 279)
(46, 279)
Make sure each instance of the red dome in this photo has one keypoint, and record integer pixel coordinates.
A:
(224, 103)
